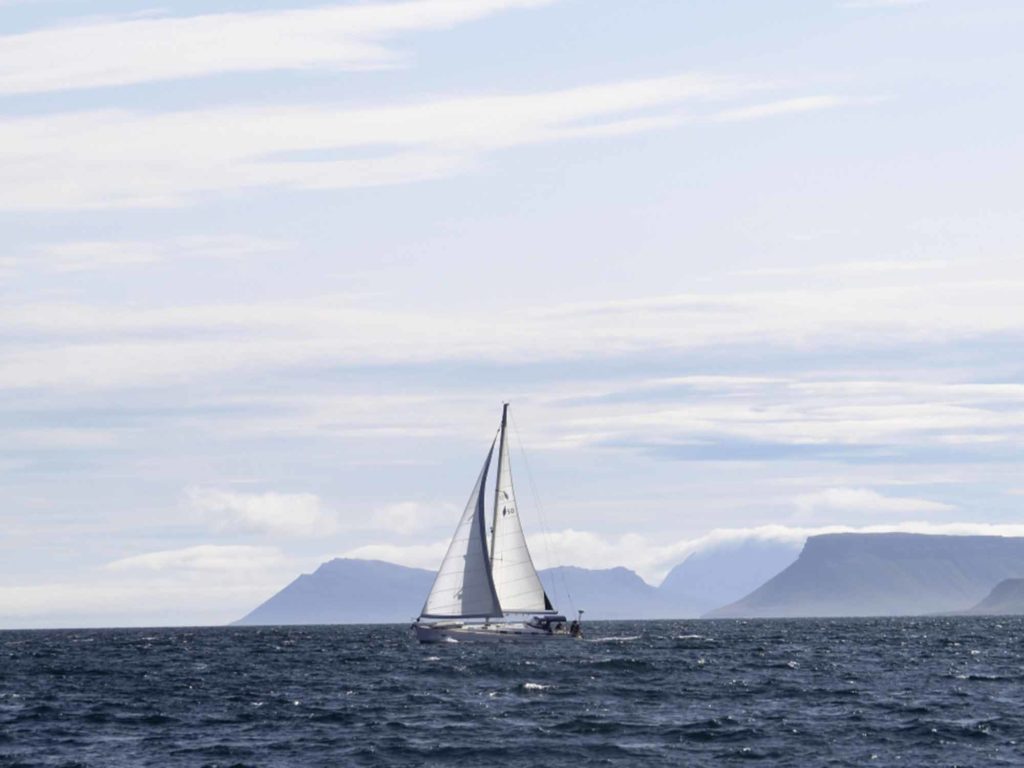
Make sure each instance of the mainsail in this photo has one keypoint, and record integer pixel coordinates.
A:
(515, 579)
(463, 587)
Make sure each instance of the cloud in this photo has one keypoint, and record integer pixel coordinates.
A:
(864, 500)
(407, 517)
(780, 108)
(197, 585)
(179, 158)
(203, 557)
(85, 255)
(868, 268)
(139, 602)
(137, 50)
(59, 438)
(79, 349)
(880, 3)
(813, 411)
(84, 346)
(284, 514)
(653, 557)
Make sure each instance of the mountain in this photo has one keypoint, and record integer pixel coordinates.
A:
(344, 591)
(884, 574)
(612, 593)
(1006, 598)
(720, 575)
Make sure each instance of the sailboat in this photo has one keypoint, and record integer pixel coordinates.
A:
(490, 592)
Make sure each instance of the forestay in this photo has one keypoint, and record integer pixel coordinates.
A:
(463, 587)
(515, 578)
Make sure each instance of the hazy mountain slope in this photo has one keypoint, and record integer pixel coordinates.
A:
(718, 576)
(1006, 598)
(613, 593)
(884, 574)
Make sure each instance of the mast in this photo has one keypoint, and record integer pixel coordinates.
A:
(502, 448)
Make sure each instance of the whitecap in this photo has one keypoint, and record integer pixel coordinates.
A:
(535, 687)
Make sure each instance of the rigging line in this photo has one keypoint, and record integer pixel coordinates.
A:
(541, 516)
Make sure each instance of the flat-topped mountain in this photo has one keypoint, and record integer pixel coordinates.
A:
(1005, 599)
(884, 574)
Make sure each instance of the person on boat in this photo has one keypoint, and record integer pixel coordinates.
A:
(574, 629)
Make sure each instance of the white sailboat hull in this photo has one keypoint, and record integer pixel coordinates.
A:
(486, 633)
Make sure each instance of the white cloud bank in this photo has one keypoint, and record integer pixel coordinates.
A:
(653, 558)
(198, 585)
(137, 50)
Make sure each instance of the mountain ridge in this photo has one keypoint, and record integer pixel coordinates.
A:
(844, 574)
(350, 590)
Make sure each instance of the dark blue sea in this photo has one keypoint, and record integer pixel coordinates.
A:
(927, 692)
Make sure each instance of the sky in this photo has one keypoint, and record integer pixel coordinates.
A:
(268, 271)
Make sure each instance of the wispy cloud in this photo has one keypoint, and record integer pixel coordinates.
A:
(780, 108)
(870, 268)
(89, 255)
(864, 500)
(203, 557)
(75, 345)
(60, 438)
(880, 3)
(283, 514)
(177, 158)
(123, 51)
(406, 517)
